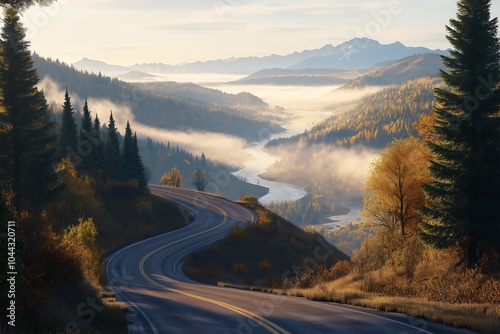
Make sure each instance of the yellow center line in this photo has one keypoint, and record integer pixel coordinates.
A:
(270, 326)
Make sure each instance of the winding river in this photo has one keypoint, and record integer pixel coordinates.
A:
(278, 191)
(304, 108)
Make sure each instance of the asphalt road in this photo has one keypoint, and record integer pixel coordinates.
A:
(148, 276)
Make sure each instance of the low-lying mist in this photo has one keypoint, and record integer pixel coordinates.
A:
(338, 173)
(217, 147)
(289, 97)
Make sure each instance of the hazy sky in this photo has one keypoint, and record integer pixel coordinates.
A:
(126, 32)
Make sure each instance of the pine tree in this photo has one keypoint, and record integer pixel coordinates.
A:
(27, 149)
(68, 140)
(139, 171)
(203, 160)
(23, 4)
(87, 143)
(112, 149)
(131, 167)
(126, 168)
(463, 193)
(98, 159)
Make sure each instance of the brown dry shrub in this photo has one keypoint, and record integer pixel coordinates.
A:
(470, 286)
(340, 269)
(265, 265)
(240, 268)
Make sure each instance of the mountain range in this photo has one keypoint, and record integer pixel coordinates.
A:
(354, 54)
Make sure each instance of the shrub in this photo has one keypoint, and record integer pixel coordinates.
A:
(240, 268)
(250, 199)
(265, 265)
(84, 235)
(236, 232)
(144, 208)
(340, 269)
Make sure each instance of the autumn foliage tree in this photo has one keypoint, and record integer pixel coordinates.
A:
(393, 194)
(173, 178)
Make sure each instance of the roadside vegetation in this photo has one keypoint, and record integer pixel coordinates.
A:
(263, 253)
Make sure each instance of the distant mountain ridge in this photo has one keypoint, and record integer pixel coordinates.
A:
(354, 54)
(382, 74)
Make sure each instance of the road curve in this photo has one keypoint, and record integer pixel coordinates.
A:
(148, 276)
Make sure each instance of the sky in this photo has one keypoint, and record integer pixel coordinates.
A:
(126, 32)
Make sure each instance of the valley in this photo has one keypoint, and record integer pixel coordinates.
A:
(297, 141)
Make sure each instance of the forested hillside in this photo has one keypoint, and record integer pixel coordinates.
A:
(197, 93)
(400, 71)
(376, 120)
(160, 111)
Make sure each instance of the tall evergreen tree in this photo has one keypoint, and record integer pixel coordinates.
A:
(131, 167)
(23, 4)
(139, 171)
(465, 171)
(98, 159)
(127, 156)
(86, 139)
(68, 140)
(112, 149)
(27, 148)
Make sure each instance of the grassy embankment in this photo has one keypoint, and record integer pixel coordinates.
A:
(261, 253)
(462, 299)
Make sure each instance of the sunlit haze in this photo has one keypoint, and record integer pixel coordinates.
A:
(126, 32)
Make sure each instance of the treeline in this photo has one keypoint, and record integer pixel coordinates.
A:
(166, 112)
(387, 114)
(98, 154)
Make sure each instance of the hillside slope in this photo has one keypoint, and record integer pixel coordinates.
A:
(401, 71)
(375, 121)
(263, 253)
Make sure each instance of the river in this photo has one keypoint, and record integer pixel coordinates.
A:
(278, 191)
(304, 108)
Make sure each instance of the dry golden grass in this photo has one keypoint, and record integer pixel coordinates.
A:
(355, 289)
(437, 292)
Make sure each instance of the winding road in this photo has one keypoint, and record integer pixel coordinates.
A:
(148, 276)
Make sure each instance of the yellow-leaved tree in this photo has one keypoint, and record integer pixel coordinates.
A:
(173, 178)
(393, 193)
